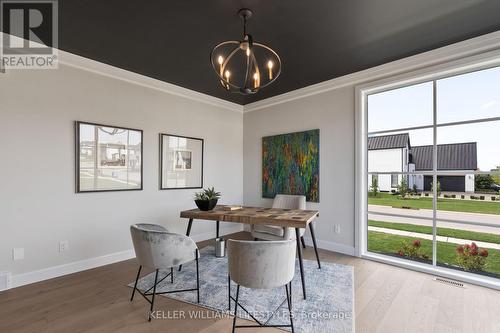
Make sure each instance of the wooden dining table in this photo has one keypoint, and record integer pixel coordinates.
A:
(291, 218)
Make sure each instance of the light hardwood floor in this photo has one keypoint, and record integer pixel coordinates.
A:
(387, 299)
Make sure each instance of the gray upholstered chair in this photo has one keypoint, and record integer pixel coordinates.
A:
(158, 249)
(269, 232)
(261, 265)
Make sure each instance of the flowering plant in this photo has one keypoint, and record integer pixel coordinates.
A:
(471, 258)
(413, 250)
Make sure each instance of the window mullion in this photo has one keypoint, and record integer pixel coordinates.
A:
(434, 176)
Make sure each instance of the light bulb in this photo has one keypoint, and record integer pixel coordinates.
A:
(248, 52)
(270, 67)
(256, 80)
(220, 60)
(227, 74)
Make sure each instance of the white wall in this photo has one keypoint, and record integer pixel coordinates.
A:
(385, 160)
(38, 203)
(470, 183)
(331, 112)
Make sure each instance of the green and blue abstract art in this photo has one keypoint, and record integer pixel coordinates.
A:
(290, 164)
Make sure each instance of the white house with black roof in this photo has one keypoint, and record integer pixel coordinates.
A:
(394, 153)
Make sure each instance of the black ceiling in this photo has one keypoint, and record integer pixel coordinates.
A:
(316, 39)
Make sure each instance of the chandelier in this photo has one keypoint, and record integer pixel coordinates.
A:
(244, 66)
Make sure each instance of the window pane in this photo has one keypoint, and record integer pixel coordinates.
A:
(400, 108)
(391, 152)
(469, 96)
(404, 238)
(469, 147)
(468, 247)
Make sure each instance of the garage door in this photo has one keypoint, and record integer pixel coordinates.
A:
(448, 183)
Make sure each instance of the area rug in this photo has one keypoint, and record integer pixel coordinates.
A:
(329, 306)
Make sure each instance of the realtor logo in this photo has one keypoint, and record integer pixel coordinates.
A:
(29, 38)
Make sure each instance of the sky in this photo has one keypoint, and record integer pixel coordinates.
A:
(464, 97)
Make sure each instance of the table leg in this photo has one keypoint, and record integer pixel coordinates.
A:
(188, 231)
(311, 229)
(299, 250)
(217, 229)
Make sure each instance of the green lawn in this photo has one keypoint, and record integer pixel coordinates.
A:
(455, 205)
(447, 232)
(446, 255)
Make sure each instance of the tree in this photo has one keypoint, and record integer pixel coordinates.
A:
(483, 182)
(415, 190)
(374, 186)
(403, 187)
(438, 189)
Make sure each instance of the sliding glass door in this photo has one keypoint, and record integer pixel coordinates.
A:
(433, 173)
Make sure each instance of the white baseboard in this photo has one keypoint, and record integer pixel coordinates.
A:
(331, 246)
(69, 268)
(82, 265)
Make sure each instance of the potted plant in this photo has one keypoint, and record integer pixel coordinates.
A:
(206, 199)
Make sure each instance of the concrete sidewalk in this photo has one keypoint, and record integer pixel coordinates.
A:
(412, 218)
(438, 238)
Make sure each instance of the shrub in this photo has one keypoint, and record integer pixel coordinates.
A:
(483, 182)
(453, 196)
(415, 190)
(438, 188)
(471, 258)
(462, 196)
(403, 188)
(374, 186)
(412, 250)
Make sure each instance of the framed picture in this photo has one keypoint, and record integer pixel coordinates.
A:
(108, 158)
(181, 162)
(290, 164)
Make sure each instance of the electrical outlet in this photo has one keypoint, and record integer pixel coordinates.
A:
(63, 246)
(18, 253)
(336, 228)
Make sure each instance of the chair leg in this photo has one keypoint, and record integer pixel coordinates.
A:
(135, 284)
(313, 236)
(236, 306)
(171, 275)
(188, 232)
(289, 301)
(303, 242)
(229, 291)
(153, 298)
(197, 279)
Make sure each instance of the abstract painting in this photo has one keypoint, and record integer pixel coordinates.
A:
(290, 164)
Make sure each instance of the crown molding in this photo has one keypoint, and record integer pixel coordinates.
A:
(75, 61)
(437, 56)
(89, 65)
